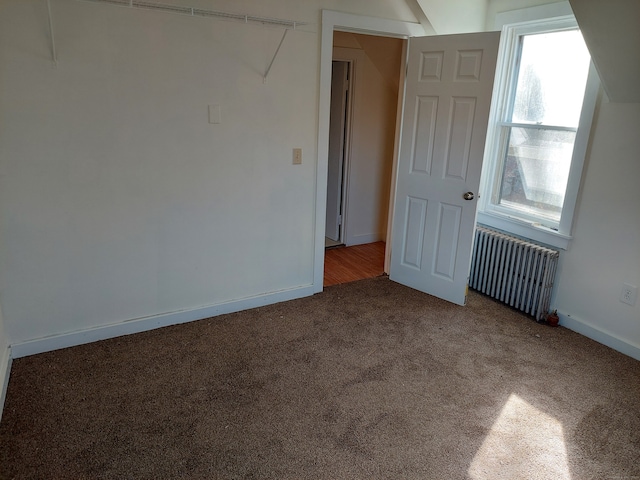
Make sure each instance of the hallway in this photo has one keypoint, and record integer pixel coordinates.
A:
(347, 264)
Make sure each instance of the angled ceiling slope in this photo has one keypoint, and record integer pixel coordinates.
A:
(454, 16)
(611, 30)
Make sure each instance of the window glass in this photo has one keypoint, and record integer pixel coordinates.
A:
(536, 170)
(551, 79)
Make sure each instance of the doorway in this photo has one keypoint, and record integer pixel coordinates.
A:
(332, 22)
(451, 223)
(365, 83)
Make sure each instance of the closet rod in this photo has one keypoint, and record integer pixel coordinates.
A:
(201, 12)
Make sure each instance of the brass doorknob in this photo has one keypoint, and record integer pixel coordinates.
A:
(468, 196)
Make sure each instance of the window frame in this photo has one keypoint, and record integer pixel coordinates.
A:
(513, 25)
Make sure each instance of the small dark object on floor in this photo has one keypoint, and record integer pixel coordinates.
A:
(553, 319)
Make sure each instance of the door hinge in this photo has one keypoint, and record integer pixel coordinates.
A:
(339, 219)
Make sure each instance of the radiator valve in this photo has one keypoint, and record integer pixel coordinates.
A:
(553, 319)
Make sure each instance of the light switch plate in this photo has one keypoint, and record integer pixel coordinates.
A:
(297, 156)
(214, 114)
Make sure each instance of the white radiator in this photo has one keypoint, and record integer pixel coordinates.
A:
(514, 271)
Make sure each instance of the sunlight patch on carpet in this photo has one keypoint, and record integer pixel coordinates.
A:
(523, 443)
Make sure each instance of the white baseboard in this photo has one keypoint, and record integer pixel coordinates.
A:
(127, 327)
(363, 239)
(600, 336)
(5, 371)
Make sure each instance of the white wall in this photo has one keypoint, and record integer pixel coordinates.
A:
(605, 251)
(377, 63)
(118, 200)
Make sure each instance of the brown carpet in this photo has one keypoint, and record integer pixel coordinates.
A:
(366, 380)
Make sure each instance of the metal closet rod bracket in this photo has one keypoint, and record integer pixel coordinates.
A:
(266, 74)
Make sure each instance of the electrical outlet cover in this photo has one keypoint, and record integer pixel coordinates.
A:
(629, 294)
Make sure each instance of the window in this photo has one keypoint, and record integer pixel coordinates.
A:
(543, 103)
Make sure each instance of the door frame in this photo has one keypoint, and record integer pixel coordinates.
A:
(346, 22)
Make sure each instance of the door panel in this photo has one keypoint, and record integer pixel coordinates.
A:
(424, 131)
(448, 229)
(414, 232)
(459, 141)
(447, 99)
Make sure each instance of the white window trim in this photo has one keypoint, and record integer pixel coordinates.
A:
(518, 22)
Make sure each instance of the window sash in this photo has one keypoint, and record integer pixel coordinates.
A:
(541, 126)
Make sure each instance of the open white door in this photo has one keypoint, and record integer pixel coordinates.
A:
(447, 100)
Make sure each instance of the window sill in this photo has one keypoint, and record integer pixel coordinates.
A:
(521, 228)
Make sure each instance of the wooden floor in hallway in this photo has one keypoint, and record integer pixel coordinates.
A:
(348, 264)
